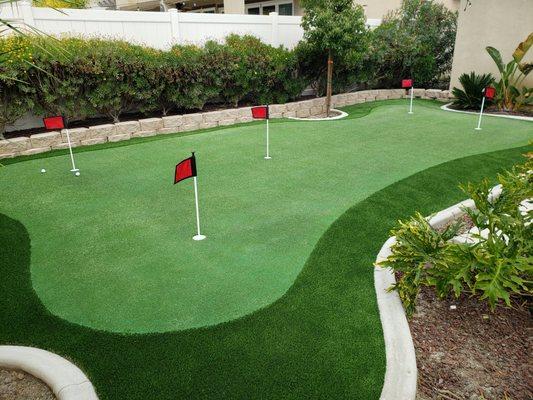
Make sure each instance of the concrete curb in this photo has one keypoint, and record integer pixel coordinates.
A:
(401, 372)
(341, 115)
(446, 107)
(66, 380)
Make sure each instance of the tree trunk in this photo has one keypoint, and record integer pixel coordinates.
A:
(329, 84)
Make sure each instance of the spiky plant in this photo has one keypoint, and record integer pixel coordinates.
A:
(469, 98)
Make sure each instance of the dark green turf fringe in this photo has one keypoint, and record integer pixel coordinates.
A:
(321, 340)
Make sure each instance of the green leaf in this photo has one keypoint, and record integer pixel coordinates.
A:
(497, 57)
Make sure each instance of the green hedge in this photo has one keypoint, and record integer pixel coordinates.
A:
(81, 78)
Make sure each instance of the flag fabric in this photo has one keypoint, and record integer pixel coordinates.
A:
(185, 169)
(407, 83)
(260, 112)
(490, 92)
(55, 122)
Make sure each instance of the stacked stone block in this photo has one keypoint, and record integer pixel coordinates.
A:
(46, 141)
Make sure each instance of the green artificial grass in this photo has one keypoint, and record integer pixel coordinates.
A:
(112, 250)
(322, 339)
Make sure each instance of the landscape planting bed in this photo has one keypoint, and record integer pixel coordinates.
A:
(279, 301)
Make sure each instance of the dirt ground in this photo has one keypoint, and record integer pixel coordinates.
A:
(18, 385)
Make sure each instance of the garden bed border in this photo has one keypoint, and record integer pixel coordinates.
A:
(66, 380)
(48, 141)
(401, 372)
(446, 107)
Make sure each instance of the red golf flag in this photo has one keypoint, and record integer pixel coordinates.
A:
(260, 112)
(185, 169)
(490, 92)
(54, 122)
(407, 83)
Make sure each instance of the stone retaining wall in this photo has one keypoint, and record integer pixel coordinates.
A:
(47, 141)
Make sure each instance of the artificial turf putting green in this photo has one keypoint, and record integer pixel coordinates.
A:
(321, 340)
(112, 249)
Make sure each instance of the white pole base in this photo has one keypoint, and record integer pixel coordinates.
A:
(198, 237)
(410, 112)
(268, 158)
(74, 170)
(477, 129)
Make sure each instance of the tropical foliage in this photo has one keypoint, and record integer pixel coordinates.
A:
(469, 98)
(511, 95)
(499, 265)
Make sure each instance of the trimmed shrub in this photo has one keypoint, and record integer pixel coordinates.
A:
(82, 78)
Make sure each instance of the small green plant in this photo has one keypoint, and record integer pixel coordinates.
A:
(510, 95)
(497, 266)
(469, 98)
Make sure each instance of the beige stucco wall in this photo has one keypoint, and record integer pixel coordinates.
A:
(496, 23)
(234, 7)
(376, 9)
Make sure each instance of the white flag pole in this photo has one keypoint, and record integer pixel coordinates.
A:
(481, 112)
(198, 236)
(74, 169)
(267, 157)
(411, 102)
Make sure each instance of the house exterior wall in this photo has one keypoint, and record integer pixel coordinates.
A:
(377, 9)
(496, 23)
(233, 6)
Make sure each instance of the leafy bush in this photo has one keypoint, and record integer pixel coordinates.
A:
(94, 77)
(415, 41)
(244, 68)
(469, 98)
(61, 3)
(16, 92)
(497, 267)
(59, 88)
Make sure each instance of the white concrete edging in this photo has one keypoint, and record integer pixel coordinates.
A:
(341, 115)
(66, 380)
(446, 107)
(401, 373)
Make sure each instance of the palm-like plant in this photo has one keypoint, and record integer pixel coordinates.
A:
(469, 98)
(509, 95)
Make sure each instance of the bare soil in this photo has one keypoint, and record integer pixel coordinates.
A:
(18, 385)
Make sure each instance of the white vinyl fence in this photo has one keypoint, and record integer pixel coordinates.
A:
(160, 30)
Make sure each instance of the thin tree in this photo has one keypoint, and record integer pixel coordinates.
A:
(337, 28)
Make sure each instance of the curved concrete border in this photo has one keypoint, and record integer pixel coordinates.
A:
(446, 107)
(66, 380)
(401, 372)
(310, 119)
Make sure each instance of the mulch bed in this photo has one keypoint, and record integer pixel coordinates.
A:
(470, 352)
(18, 385)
